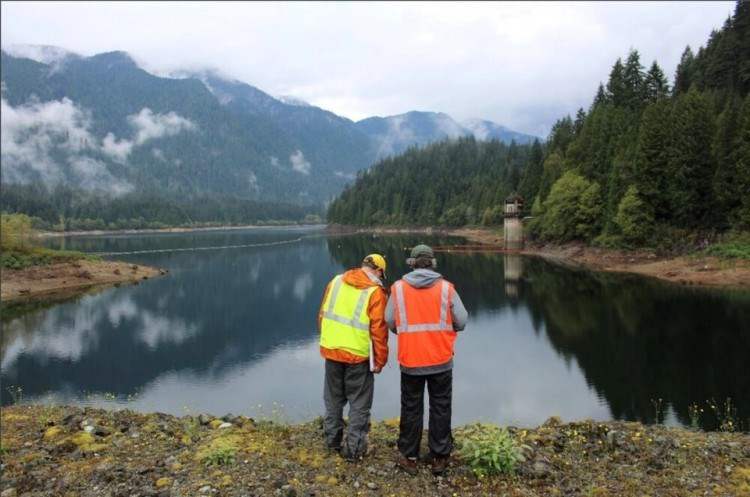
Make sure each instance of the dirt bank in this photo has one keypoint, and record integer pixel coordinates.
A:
(67, 451)
(684, 270)
(67, 279)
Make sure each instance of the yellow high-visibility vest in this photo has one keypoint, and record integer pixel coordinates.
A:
(345, 324)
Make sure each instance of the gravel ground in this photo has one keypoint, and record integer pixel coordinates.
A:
(50, 450)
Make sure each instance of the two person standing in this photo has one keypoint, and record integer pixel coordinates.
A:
(425, 312)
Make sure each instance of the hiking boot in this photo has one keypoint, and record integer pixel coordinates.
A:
(439, 465)
(408, 465)
(348, 456)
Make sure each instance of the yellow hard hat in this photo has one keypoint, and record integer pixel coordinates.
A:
(376, 260)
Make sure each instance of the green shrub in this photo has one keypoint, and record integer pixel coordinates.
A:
(489, 449)
(731, 245)
(220, 452)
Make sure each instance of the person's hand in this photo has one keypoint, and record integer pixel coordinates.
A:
(377, 369)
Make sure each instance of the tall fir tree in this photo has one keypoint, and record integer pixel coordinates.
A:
(691, 164)
(727, 179)
(683, 77)
(652, 161)
(633, 78)
(656, 86)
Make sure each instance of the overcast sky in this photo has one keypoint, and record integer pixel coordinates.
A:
(520, 64)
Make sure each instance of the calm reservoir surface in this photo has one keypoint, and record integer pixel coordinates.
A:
(232, 328)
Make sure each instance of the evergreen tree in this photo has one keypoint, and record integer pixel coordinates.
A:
(633, 81)
(683, 77)
(742, 30)
(651, 163)
(578, 123)
(742, 165)
(531, 180)
(561, 135)
(600, 98)
(656, 86)
(691, 165)
(617, 89)
(726, 187)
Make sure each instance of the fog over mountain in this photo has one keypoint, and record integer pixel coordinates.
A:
(104, 124)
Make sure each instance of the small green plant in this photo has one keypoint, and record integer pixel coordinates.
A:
(221, 452)
(726, 414)
(695, 413)
(276, 422)
(16, 393)
(490, 449)
(658, 411)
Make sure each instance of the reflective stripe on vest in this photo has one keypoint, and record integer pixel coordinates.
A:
(403, 326)
(424, 324)
(345, 324)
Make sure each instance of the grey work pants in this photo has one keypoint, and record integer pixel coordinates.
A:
(355, 384)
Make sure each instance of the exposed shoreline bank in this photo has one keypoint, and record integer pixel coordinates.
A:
(691, 270)
(61, 280)
(69, 279)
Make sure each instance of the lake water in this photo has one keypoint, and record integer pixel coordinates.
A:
(232, 328)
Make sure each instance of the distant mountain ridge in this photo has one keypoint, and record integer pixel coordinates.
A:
(104, 124)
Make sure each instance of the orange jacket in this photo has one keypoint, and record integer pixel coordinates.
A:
(424, 322)
(375, 311)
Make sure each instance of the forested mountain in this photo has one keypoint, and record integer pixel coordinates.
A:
(452, 183)
(645, 162)
(393, 135)
(80, 132)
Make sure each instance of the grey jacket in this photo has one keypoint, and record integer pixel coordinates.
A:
(425, 278)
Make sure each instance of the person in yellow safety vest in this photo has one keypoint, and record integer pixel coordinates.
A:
(354, 343)
(426, 313)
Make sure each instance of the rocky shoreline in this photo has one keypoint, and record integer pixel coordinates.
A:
(65, 451)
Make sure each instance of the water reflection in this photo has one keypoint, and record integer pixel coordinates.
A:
(513, 265)
(232, 327)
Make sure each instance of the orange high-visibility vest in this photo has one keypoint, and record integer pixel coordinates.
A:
(424, 324)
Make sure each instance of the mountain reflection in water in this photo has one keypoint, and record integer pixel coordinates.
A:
(232, 327)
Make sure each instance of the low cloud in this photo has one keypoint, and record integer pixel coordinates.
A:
(34, 135)
(478, 127)
(299, 163)
(150, 126)
(342, 174)
(29, 134)
(93, 175)
(396, 135)
(448, 126)
(147, 126)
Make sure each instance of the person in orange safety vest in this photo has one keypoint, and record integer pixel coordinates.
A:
(354, 343)
(425, 312)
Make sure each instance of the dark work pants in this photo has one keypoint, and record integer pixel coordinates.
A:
(440, 391)
(355, 384)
